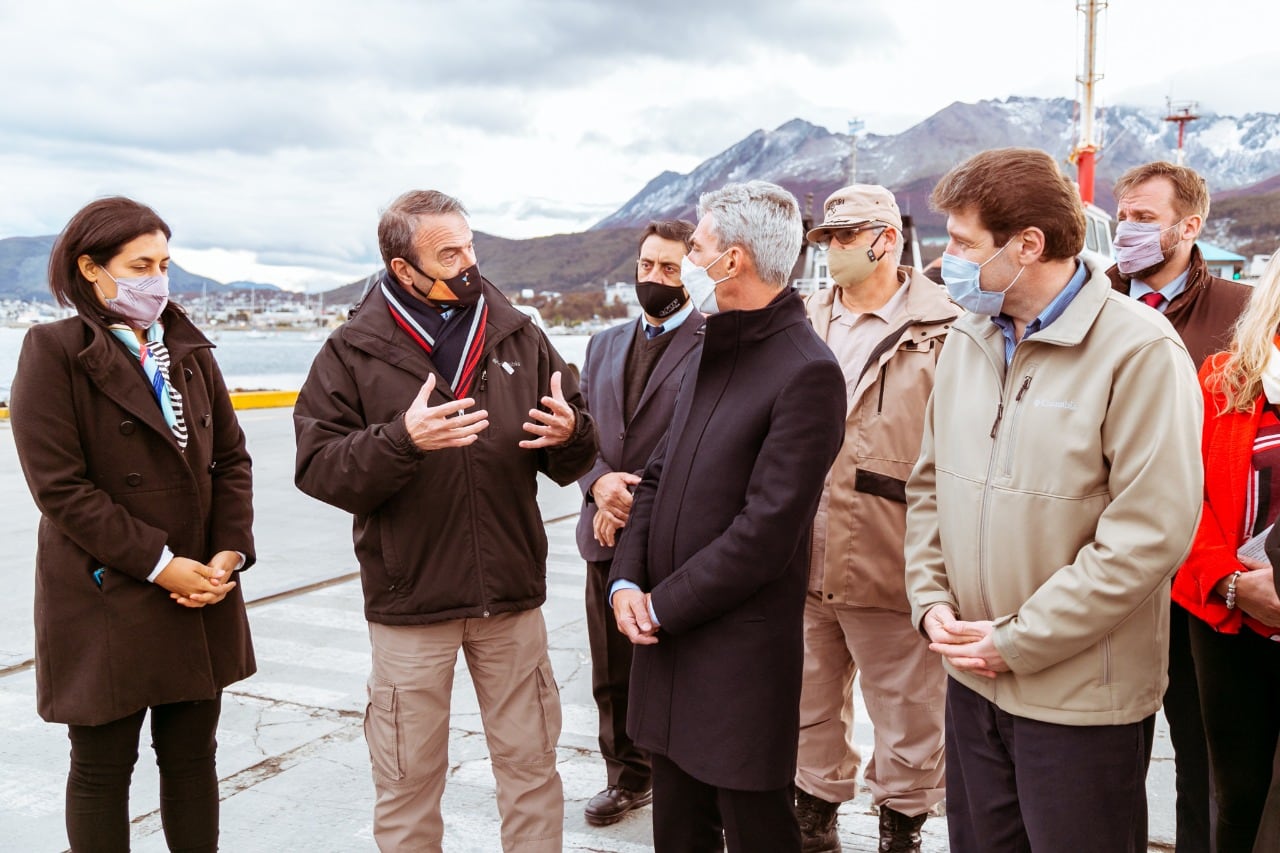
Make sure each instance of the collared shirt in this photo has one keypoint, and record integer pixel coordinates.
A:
(1051, 312)
(1138, 289)
(673, 322)
(853, 335)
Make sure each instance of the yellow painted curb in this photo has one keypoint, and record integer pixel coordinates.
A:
(264, 399)
(239, 399)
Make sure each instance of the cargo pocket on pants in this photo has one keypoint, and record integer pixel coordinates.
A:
(382, 730)
(549, 700)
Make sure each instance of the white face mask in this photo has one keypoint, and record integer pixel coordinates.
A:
(702, 290)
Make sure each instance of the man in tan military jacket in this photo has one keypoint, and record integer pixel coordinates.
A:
(885, 323)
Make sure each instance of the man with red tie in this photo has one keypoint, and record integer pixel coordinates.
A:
(1162, 209)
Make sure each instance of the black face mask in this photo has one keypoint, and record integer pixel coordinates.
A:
(460, 291)
(660, 301)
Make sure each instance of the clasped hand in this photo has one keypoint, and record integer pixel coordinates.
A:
(968, 646)
(195, 584)
(631, 611)
(612, 496)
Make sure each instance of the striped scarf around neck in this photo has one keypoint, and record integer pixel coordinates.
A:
(154, 358)
(454, 344)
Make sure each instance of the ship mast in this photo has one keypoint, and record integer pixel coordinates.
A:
(1085, 153)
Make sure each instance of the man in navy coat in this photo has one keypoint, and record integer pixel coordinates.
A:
(709, 579)
(629, 380)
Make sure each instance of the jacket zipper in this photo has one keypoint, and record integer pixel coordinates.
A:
(471, 498)
(1013, 425)
(1106, 660)
(880, 401)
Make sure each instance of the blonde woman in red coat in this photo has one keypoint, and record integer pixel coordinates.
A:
(1235, 635)
(133, 454)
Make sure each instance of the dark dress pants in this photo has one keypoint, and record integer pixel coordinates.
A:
(690, 816)
(1240, 696)
(626, 764)
(102, 760)
(1015, 785)
(1195, 809)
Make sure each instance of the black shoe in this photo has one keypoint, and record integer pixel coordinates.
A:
(817, 819)
(611, 804)
(899, 833)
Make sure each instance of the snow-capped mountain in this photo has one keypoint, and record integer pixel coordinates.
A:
(1230, 151)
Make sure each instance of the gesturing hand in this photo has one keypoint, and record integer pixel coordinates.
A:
(192, 584)
(446, 425)
(553, 427)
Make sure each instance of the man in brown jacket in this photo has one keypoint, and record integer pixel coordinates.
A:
(886, 324)
(1162, 209)
(411, 421)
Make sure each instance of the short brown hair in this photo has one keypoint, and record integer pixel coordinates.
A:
(1190, 192)
(1014, 188)
(399, 223)
(100, 230)
(678, 230)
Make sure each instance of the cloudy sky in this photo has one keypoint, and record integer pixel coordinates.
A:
(270, 134)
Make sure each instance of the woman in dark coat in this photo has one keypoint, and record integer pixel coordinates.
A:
(133, 454)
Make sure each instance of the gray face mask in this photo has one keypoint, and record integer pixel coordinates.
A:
(701, 287)
(139, 300)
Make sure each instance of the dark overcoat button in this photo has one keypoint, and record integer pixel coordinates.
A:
(133, 479)
(186, 372)
(127, 427)
(206, 419)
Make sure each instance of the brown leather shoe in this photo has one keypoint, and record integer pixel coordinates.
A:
(612, 804)
(899, 833)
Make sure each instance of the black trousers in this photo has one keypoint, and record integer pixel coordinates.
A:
(693, 817)
(625, 763)
(1240, 696)
(1016, 785)
(1194, 808)
(102, 760)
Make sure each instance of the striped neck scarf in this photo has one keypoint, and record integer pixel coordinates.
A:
(154, 358)
(454, 339)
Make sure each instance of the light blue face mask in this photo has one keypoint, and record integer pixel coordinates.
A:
(961, 277)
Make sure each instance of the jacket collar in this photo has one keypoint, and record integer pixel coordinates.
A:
(1073, 324)
(928, 310)
(727, 330)
(372, 330)
(118, 375)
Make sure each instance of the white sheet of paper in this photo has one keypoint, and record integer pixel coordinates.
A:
(1255, 548)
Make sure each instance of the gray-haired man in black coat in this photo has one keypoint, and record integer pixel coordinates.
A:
(709, 580)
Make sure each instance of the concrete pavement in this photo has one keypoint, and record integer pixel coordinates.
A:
(292, 761)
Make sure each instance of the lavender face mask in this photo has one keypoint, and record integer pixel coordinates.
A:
(140, 300)
(1137, 245)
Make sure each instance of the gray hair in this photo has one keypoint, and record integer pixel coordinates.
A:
(761, 218)
(399, 223)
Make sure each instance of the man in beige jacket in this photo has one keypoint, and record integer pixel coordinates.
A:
(886, 324)
(1058, 488)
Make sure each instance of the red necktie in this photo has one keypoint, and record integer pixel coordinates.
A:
(1152, 299)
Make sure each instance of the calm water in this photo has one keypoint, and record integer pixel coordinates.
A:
(254, 360)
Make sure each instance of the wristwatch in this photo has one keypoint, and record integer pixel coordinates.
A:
(1231, 590)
